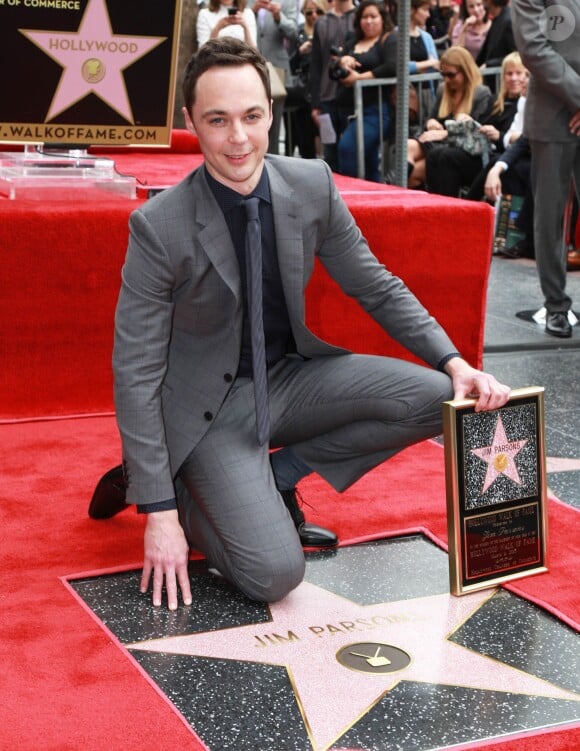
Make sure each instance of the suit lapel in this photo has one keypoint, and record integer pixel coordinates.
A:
(213, 234)
(288, 228)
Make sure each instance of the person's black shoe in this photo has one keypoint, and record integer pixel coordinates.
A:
(109, 496)
(311, 535)
(109, 499)
(522, 249)
(557, 324)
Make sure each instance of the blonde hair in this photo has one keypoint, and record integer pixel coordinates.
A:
(320, 4)
(460, 58)
(512, 60)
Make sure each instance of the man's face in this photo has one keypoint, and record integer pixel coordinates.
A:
(231, 117)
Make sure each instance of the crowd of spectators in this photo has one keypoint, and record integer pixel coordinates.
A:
(320, 48)
(465, 126)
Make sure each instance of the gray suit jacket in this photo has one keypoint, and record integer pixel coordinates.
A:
(179, 315)
(554, 64)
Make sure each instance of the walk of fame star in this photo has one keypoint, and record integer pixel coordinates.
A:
(93, 60)
(499, 457)
(310, 629)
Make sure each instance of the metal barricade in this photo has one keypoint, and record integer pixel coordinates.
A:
(401, 133)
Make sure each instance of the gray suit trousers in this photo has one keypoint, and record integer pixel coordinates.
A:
(554, 165)
(342, 415)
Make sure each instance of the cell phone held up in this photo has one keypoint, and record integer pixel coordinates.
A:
(232, 10)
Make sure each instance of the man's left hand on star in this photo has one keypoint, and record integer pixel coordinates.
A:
(468, 382)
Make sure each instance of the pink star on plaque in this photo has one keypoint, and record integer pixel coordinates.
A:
(339, 654)
(499, 457)
(93, 59)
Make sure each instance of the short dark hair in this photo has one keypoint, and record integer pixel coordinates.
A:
(222, 52)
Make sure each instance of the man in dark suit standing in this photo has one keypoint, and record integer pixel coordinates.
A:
(187, 405)
(548, 38)
(499, 41)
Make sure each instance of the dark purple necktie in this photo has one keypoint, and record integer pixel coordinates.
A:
(256, 319)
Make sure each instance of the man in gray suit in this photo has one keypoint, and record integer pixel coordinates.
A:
(547, 34)
(182, 362)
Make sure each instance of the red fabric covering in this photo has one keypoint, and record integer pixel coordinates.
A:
(438, 246)
(65, 684)
(60, 278)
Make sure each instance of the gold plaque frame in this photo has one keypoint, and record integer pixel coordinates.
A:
(90, 72)
(495, 471)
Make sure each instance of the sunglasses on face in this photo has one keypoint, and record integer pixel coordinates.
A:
(449, 74)
(312, 12)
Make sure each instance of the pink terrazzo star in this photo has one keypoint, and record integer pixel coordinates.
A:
(310, 626)
(499, 457)
(93, 59)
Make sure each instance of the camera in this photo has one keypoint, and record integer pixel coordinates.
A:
(232, 10)
(336, 72)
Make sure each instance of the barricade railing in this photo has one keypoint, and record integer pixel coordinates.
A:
(417, 78)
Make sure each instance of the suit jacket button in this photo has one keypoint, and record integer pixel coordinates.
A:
(208, 416)
(228, 377)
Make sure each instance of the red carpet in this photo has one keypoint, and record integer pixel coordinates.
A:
(66, 685)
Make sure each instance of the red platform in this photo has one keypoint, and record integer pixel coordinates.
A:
(60, 279)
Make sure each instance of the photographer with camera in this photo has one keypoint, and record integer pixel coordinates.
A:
(369, 52)
(226, 18)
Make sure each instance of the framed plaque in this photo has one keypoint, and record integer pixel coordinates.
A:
(88, 72)
(495, 472)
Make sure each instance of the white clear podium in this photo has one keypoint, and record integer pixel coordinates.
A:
(42, 173)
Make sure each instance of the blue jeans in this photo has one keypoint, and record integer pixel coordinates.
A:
(372, 141)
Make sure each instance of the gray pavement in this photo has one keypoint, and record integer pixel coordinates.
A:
(520, 353)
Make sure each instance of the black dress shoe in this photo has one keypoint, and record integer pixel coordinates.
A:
(557, 324)
(311, 535)
(109, 496)
(522, 249)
